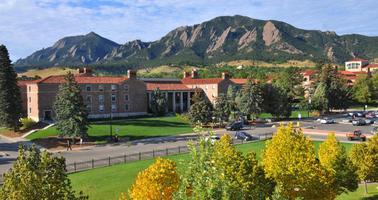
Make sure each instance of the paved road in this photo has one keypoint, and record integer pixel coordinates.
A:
(103, 151)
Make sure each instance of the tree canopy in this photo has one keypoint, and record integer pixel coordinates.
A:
(158, 102)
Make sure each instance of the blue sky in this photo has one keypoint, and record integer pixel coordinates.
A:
(30, 25)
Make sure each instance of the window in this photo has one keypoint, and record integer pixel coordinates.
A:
(114, 87)
(88, 88)
(101, 88)
(206, 86)
(126, 97)
(126, 107)
(114, 107)
(101, 108)
(29, 88)
(89, 108)
(113, 97)
(29, 99)
(213, 86)
(101, 98)
(89, 99)
(126, 87)
(29, 110)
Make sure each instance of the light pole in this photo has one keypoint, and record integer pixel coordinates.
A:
(110, 124)
(309, 107)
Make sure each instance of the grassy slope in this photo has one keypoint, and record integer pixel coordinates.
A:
(109, 182)
(134, 128)
(47, 72)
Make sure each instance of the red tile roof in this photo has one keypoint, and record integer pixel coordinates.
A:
(201, 81)
(167, 86)
(373, 66)
(85, 79)
(358, 59)
(351, 73)
(308, 72)
(239, 81)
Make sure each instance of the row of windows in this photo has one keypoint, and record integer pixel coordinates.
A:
(88, 88)
(101, 108)
(206, 86)
(101, 98)
(353, 65)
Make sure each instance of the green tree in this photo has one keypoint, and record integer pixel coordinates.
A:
(319, 99)
(10, 97)
(222, 108)
(250, 100)
(290, 81)
(276, 101)
(36, 176)
(363, 90)
(158, 103)
(333, 156)
(71, 113)
(289, 158)
(219, 171)
(201, 110)
(364, 157)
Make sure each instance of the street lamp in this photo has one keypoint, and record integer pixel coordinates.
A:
(213, 122)
(110, 124)
(309, 107)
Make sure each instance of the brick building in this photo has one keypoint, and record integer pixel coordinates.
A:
(121, 96)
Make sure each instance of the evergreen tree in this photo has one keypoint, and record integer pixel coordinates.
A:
(319, 99)
(250, 101)
(36, 176)
(333, 156)
(222, 108)
(276, 101)
(158, 103)
(232, 94)
(71, 113)
(201, 110)
(10, 97)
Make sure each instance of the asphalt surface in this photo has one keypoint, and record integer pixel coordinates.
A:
(8, 149)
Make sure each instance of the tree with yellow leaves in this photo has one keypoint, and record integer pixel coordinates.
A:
(158, 182)
(289, 158)
(364, 157)
(333, 157)
(219, 171)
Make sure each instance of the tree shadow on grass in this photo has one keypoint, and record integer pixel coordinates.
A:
(146, 123)
(374, 197)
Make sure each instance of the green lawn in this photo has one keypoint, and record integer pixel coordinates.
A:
(109, 182)
(294, 114)
(138, 128)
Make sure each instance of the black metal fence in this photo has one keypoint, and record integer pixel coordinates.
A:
(128, 158)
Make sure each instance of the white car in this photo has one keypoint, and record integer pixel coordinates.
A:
(212, 139)
(327, 121)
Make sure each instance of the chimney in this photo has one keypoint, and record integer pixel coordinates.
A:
(194, 73)
(131, 74)
(85, 71)
(225, 75)
(186, 75)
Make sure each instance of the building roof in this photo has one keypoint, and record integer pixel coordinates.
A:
(349, 73)
(372, 66)
(201, 81)
(308, 72)
(25, 82)
(167, 87)
(357, 59)
(239, 81)
(85, 79)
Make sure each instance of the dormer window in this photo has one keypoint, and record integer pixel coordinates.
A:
(88, 88)
(101, 88)
(114, 87)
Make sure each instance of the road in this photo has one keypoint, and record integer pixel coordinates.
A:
(103, 151)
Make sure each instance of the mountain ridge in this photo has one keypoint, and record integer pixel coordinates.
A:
(221, 39)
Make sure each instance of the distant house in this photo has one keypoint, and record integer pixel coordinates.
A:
(360, 65)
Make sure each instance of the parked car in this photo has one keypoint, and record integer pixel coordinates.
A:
(360, 114)
(370, 115)
(327, 120)
(212, 139)
(240, 135)
(359, 122)
(356, 135)
(369, 121)
(234, 126)
(374, 130)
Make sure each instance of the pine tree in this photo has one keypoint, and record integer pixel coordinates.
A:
(71, 113)
(158, 103)
(333, 156)
(250, 101)
(222, 108)
(10, 97)
(36, 176)
(201, 111)
(319, 99)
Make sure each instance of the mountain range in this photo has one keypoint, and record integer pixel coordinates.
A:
(221, 39)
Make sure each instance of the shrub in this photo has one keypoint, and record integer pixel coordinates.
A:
(27, 123)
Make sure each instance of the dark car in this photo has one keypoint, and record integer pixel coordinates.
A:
(359, 122)
(243, 136)
(234, 126)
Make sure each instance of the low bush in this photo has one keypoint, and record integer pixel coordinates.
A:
(27, 123)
